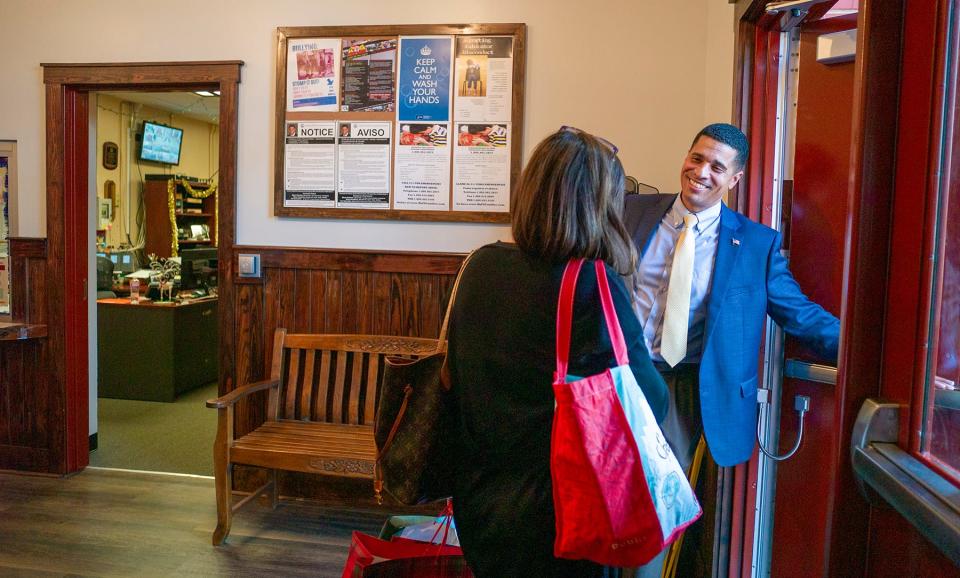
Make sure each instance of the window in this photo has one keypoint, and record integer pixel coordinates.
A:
(940, 433)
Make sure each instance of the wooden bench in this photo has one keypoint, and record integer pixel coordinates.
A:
(323, 396)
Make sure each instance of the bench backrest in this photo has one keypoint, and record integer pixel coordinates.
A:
(336, 378)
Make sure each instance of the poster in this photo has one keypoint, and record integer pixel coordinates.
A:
(481, 168)
(368, 79)
(309, 164)
(424, 79)
(483, 78)
(363, 165)
(422, 167)
(313, 68)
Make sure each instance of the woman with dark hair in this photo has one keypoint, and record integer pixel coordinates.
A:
(502, 352)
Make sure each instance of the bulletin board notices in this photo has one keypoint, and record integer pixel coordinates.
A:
(413, 122)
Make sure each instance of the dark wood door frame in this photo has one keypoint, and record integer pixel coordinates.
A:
(67, 99)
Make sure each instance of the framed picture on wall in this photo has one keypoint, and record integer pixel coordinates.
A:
(106, 212)
(406, 122)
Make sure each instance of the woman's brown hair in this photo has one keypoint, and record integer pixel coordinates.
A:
(569, 202)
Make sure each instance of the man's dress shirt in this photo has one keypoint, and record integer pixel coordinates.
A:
(654, 277)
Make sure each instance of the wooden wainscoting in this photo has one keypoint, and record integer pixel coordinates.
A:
(28, 422)
(329, 291)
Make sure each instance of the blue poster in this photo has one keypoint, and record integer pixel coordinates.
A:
(424, 86)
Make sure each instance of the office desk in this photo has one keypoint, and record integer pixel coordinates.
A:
(155, 352)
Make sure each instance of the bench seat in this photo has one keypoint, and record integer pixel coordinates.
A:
(322, 401)
(321, 448)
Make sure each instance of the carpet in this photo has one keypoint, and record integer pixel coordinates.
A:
(157, 437)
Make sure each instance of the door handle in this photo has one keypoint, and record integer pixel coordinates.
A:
(810, 371)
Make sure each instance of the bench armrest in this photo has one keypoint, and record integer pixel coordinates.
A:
(236, 395)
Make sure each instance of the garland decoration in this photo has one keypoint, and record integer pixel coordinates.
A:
(172, 206)
(171, 203)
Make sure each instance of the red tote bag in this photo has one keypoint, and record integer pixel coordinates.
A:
(609, 508)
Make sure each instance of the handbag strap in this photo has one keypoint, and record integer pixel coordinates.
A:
(442, 338)
(568, 287)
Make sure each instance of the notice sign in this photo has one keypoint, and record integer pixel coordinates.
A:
(368, 75)
(363, 171)
(313, 66)
(484, 78)
(424, 85)
(481, 168)
(309, 164)
(422, 167)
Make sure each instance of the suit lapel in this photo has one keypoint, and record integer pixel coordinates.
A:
(649, 220)
(728, 251)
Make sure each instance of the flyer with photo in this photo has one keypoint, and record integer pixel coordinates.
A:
(481, 168)
(424, 84)
(483, 78)
(313, 68)
(363, 165)
(422, 167)
(368, 75)
(309, 172)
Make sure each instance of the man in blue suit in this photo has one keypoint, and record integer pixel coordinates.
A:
(707, 279)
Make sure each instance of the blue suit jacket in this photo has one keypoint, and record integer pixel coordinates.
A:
(750, 281)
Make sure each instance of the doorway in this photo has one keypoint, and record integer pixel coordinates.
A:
(798, 105)
(153, 172)
(68, 88)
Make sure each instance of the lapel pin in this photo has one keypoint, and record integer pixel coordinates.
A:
(736, 242)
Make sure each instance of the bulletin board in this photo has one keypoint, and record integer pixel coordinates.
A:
(407, 122)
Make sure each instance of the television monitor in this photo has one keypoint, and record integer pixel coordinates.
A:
(160, 143)
(198, 269)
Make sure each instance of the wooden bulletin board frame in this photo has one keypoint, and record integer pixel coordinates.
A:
(286, 34)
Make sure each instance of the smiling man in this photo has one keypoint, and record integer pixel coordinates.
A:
(707, 279)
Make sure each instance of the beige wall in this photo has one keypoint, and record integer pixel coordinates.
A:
(645, 74)
(119, 121)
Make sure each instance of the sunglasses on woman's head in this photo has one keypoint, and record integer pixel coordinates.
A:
(574, 129)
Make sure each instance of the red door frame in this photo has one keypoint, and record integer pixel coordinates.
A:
(75, 319)
(901, 170)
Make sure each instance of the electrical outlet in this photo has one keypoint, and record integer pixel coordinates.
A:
(249, 265)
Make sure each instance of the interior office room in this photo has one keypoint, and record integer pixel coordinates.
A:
(154, 367)
(162, 283)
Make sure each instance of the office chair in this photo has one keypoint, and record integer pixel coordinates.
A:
(105, 278)
(635, 187)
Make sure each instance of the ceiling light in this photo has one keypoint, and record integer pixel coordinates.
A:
(204, 93)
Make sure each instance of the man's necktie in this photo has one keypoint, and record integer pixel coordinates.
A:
(676, 318)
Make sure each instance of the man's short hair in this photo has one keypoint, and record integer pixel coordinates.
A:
(730, 136)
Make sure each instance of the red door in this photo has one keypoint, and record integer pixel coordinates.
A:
(914, 531)
(814, 217)
(869, 219)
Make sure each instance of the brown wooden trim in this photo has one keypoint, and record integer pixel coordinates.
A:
(28, 247)
(28, 259)
(75, 80)
(394, 215)
(353, 260)
(142, 73)
(495, 29)
(20, 331)
(517, 31)
(226, 231)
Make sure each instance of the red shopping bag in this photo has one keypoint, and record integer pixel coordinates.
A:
(609, 508)
(372, 557)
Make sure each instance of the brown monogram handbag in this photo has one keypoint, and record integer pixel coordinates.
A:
(411, 464)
